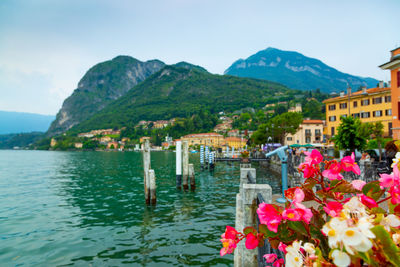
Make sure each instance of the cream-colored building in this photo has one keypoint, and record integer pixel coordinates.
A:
(236, 142)
(296, 108)
(309, 132)
(209, 139)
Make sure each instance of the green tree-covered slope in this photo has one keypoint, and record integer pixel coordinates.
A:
(180, 92)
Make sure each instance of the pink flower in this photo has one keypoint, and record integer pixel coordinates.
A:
(358, 184)
(298, 195)
(229, 240)
(333, 173)
(348, 164)
(314, 157)
(269, 216)
(282, 247)
(306, 214)
(279, 263)
(307, 169)
(251, 241)
(270, 257)
(367, 201)
(291, 214)
(395, 194)
(389, 180)
(333, 208)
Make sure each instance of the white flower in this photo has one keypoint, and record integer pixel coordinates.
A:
(364, 225)
(340, 258)
(396, 159)
(309, 248)
(390, 221)
(293, 256)
(334, 229)
(396, 238)
(364, 246)
(352, 237)
(354, 207)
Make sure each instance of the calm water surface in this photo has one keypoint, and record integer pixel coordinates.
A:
(87, 209)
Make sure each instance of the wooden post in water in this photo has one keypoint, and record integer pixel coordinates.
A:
(152, 178)
(191, 177)
(146, 167)
(185, 164)
(178, 164)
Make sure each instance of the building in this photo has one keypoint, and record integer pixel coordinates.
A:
(236, 142)
(144, 138)
(394, 66)
(297, 108)
(370, 105)
(208, 139)
(160, 124)
(112, 145)
(233, 133)
(309, 132)
(78, 145)
(222, 127)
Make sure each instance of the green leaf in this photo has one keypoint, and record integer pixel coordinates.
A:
(262, 228)
(389, 248)
(298, 226)
(378, 210)
(373, 190)
(344, 187)
(249, 229)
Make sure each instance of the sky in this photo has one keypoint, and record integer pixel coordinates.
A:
(47, 46)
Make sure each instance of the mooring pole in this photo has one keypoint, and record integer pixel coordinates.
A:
(152, 178)
(178, 164)
(206, 157)
(191, 177)
(185, 165)
(146, 167)
(202, 157)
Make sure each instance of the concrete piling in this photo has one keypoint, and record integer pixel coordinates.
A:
(185, 165)
(146, 167)
(152, 186)
(191, 177)
(178, 164)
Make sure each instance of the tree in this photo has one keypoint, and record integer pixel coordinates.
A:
(350, 135)
(278, 127)
(377, 131)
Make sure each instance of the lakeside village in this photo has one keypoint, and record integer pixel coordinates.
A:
(377, 107)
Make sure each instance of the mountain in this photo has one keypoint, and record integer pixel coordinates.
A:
(296, 71)
(19, 122)
(9, 141)
(180, 92)
(102, 84)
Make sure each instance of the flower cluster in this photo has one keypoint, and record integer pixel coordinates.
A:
(328, 220)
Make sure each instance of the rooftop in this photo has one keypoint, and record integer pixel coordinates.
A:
(358, 93)
(313, 121)
(201, 135)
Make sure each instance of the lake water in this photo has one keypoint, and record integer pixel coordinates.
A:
(87, 209)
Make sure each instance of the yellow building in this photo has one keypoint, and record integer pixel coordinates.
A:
(309, 132)
(208, 139)
(370, 105)
(236, 142)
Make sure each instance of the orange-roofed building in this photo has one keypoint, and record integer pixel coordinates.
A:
(370, 105)
(209, 139)
(309, 132)
(236, 142)
(394, 66)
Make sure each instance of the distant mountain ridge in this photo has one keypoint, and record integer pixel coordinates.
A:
(296, 71)
(20, 122)
(102, 84)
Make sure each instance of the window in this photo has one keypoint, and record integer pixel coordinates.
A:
(365, 102)
(317, 132)
(388, 98)
(388, 112)
(377, 113)
(332, 107)
(343, 105)
(308, 132)
(398, 78)
(332, 131)
(390, 129)
(308, 140)
(365, 114)
(289, 138)
(355, 104)
(356, 115)
(377, 100)
(344, 115)
(332, 118)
